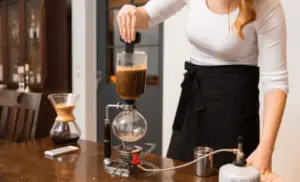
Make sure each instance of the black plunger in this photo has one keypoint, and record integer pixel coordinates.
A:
(129, 47)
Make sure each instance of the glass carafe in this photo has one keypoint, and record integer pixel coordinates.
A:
(131, 72)
(129, 125)
(65, 129)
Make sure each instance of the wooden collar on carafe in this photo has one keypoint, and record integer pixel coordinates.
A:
(65, 112)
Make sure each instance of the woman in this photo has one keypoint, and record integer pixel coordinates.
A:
(220, 98)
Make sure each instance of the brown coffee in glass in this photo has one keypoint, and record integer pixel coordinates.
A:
(131, 73)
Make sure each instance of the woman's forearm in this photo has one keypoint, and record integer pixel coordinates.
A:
(274, 104)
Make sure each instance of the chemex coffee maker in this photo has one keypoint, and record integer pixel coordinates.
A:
(65, 130)
(129, 125)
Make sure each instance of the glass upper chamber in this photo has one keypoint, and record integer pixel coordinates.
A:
(129, 125)
(131, 74)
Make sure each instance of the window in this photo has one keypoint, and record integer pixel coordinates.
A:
(150, 43)
(13, 29)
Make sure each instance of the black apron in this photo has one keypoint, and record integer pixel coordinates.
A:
(217, 105)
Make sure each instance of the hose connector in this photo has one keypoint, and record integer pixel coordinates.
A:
(240, 156)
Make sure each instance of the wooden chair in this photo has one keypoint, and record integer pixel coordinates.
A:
(19, 114)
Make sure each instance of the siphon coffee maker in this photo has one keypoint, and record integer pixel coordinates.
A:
(129, 125)
(65, 129)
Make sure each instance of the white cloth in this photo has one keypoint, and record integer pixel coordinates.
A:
(214, 44)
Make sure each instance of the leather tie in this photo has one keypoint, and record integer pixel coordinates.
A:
(190, 98)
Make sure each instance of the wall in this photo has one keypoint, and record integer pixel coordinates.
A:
(287, 153)
(174, 40)
(84, 65)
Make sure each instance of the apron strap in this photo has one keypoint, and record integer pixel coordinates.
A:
(190, 97)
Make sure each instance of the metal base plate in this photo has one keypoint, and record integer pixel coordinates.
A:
(117, 169)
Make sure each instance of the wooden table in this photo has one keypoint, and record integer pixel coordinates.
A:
(26, 162)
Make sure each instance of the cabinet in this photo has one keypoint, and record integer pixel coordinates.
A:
(36, 33)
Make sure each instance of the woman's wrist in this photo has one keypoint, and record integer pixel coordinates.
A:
(142, 18)
(267, 144)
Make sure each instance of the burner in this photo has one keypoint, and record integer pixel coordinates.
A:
(126, 151)
(123, 167)
(129, 157)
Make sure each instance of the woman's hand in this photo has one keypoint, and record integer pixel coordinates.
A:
(271, 178)
(127, 22)
(261, 159)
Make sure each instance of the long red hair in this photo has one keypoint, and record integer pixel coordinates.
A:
(247, 15)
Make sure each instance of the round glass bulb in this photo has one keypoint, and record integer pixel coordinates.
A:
(129, 126)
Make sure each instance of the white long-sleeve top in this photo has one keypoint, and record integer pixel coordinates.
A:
(213, 43)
